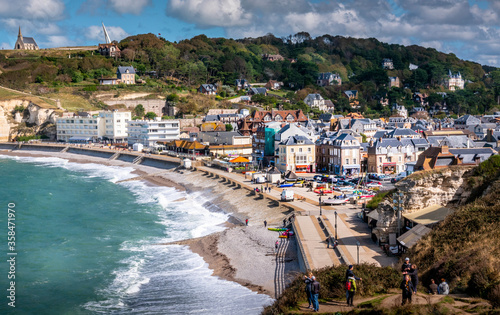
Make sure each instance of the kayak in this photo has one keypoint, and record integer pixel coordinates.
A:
(277, 229)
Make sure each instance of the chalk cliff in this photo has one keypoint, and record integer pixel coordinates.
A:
(446, 187)
(34, 120)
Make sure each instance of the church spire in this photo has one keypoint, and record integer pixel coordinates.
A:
(20, 35)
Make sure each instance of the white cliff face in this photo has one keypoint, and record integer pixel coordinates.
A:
(39, 116)
(32, 115)
(445, 187)
(438, 187)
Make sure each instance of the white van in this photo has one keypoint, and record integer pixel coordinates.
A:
(287, 195)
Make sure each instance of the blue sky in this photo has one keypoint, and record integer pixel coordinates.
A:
(468, 28)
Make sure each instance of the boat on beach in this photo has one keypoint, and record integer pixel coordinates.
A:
(277, 229)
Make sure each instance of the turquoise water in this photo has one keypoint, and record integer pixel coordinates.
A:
(86, 245)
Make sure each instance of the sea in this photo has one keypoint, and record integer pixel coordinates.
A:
(86, 244)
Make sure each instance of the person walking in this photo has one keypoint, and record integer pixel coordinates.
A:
(246, 222)
(315, 294)
(349, 273)
(309, 281)
(444, 288)
(276, 246)
(265, 223)
(407, 289)
(351, 290)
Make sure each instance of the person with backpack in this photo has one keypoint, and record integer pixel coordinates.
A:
(309, 281)
(350, 287)
(407, 289)
(350, 274)
(315, 293)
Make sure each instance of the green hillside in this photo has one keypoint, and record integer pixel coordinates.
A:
(168, 67)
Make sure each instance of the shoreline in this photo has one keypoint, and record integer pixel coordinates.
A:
(222, 251)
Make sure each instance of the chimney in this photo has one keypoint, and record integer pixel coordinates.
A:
(489, 135)
(444, 149)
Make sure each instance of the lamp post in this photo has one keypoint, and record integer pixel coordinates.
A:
(335, 224)
(320, 212)
(357, 244)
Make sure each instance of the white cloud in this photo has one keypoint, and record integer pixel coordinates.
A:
(48, 10)
(6, 46)
(96, 33)
(98, 7)
(56, 41)
(210, 13)
(129, 6)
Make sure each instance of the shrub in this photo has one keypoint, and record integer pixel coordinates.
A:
(374, 202)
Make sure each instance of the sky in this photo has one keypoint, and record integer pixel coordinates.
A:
(468, 28)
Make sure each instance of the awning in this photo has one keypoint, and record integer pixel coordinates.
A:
(412, 236)
(429, 215)
(373, 215)
(240, 159)
(349, 166)
(79, 139)
(389, 164)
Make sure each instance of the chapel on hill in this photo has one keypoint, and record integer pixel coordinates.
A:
(25, 43)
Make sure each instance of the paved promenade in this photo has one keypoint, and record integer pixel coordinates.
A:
(350, 228)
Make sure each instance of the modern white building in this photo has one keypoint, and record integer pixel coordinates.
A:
(115, 124)
(79, 128)
(148, 132)
(103, 125)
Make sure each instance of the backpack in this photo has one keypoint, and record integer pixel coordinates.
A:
(348, 285)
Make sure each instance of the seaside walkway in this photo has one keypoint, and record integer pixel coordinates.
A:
(312, 235)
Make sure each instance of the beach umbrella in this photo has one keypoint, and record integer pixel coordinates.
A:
(239, 159)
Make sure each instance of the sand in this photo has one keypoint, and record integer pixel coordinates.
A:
(243, 254)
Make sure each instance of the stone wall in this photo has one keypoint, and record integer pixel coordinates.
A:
(153, 105)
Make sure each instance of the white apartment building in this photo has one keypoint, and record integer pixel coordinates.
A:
(79, 128)
(148, 132)
(115, 125)
(103, 125)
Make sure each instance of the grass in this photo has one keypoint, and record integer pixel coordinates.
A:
(72, 102)
(6, 95)
(372, 303)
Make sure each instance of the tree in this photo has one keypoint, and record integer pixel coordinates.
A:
(139, 110)
(229, 127)
(150, 115)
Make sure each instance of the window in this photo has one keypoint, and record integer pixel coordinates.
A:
(353, 161)
(309, 150)
(400, 159)
(346, 161)
(291, 150)
(380, 159)
(300, 150)
(389, 159)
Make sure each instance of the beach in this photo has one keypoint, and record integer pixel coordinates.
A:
(242, 254)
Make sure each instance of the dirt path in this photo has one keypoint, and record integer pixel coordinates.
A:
(454, 303)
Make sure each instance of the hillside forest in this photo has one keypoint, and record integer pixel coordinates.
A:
(177, 69)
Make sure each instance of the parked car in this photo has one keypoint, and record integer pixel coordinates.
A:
(374, 184)
(287, 195)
